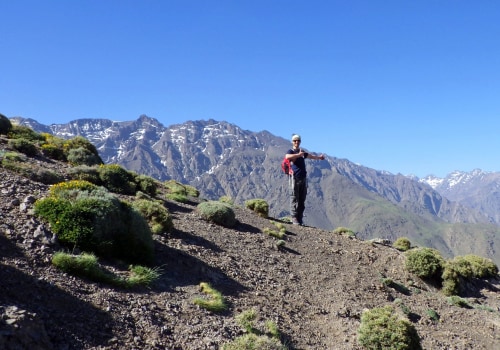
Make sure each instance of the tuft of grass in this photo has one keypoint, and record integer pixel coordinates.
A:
(216, 303)
(259, 206)
(86, 266)
(246, 320)
(433, 315)
(273, 233)
(344, 231)
(255, 339)
(142, 276)
(458, 301)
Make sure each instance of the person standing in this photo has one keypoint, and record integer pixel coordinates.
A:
(298, 183)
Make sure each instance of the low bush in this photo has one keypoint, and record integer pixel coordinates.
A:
(157, 216)
(24, 146)
(260, 206)
(146, 184)
(26, 133)
(217, 212)
(86, 173)
(82, 156)
(382, 328)
(90, 218)
(402, 243)
(116, 179)
(426, 263)
(464, 268)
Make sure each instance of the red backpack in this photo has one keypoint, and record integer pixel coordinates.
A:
(286, 166)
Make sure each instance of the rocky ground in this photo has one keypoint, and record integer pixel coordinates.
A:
(314, 288)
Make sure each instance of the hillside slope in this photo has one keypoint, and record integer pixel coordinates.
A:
(314, 288)
(220, 158)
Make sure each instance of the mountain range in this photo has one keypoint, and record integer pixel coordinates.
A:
(458, 214)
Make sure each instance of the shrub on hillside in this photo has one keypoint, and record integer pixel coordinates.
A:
(86, 173)
(461, 269)
(402, 243)
(5, 125)
(116, 179)
(425, 262)
(382, 328)
(24, 146)
(81, 142)
(260, 206)
(146, 184)
(217, 212)
(158, 217)
(24, 132)
(82, 156)
(90, 218)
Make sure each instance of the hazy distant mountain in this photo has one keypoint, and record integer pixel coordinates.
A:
(476, 189)
(220, 158)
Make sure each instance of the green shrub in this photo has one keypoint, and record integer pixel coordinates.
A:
(433, 315)
(87, 266)
(24, 146)
(80, 142)
(402, 243)
(86, 173)
(146, 184)
(116, 179)
(174, 187)
(477, 266)
(246, 319)
(260, 206)
(464, 268)
(45, 176)
(5, 125)
(424, 262)
(177, 197)
(88, 217)
(82, 156)
(24, 132)
(158, 217)
(217, 212)
(53, 151)
(382, 328)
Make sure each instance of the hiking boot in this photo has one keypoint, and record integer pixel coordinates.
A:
(295, 221)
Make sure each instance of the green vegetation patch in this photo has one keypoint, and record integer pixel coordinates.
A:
(382, 328)
(259, 206)
(217, 212)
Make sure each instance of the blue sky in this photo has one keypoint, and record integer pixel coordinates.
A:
(410, 87)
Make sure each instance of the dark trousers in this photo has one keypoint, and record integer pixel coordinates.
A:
(298, 193)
